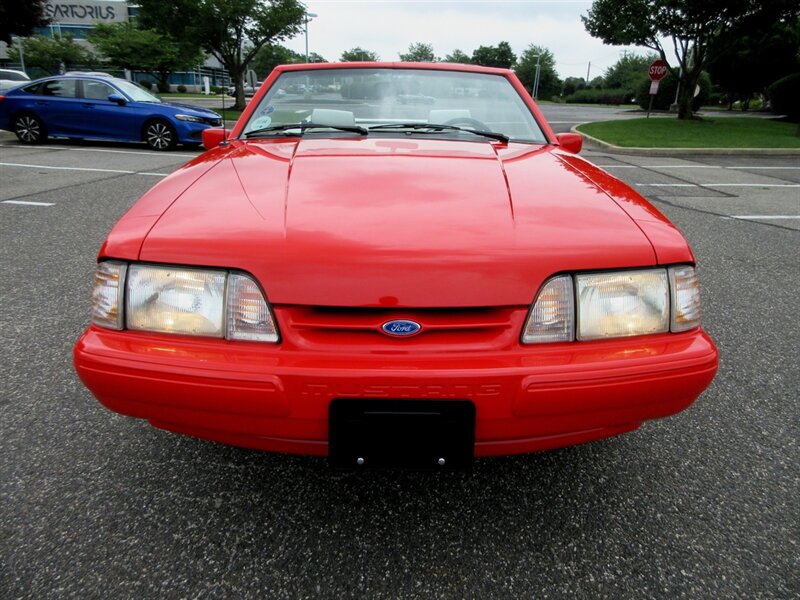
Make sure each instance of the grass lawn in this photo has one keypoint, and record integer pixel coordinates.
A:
(228, 114)
(722, 132)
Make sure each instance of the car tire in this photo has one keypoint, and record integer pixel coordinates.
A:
(160, 135)
(29, 129)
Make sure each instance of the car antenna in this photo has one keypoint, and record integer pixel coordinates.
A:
(224, 130)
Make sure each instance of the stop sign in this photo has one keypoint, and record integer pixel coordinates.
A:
(657, 70)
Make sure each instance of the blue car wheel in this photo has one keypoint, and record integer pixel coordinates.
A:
(29, 129)
(160, 135)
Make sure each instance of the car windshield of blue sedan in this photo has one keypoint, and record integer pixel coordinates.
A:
(388, 101)
(136, 92)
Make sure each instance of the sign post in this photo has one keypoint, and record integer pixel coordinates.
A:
(657, 71)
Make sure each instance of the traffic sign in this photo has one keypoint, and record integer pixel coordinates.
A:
(657, 70)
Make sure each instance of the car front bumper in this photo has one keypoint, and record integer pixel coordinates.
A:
(189, 132)
(260, 396)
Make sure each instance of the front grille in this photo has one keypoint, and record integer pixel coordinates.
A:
(465, 329)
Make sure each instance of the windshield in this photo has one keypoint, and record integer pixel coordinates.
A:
(13, 76)
(387, 101)
(136, 92)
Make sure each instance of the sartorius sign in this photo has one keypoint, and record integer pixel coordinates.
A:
(85, 12)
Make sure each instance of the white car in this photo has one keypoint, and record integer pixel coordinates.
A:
(249, 90)
(11, 78)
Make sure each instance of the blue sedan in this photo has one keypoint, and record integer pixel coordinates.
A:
(98, 107)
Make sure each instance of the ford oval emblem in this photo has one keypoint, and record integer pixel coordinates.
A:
(401, 328)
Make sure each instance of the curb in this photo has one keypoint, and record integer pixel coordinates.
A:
(593, 143)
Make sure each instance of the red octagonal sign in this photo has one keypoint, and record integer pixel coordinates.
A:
(657, 70)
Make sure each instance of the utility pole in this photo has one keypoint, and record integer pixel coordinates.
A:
(535, 89)
(588, 70)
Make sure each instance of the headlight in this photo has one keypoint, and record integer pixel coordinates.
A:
(187, 301)
(176, 300)
(189, 118)
(685, 287)
(622, 304)
(552, 316)
(592, 306)
(109, 278)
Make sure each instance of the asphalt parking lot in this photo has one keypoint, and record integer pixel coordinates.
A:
(701, 505)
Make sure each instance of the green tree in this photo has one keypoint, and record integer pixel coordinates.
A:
(49, 53)
(358, 54)
(232, 30)
(571, 85)
(126, 45)
(21, 17)
(272, 55)
(419, 52)
(744, 63)
(549, 83)
(628, 72)
(495, 56)
(457, 56)
(689, 26)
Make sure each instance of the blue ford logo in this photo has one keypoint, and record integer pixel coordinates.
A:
(401, 328)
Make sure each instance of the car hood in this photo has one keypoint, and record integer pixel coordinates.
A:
(191, 109)
(397, 222)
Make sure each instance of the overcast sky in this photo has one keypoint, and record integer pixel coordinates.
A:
(389, 26)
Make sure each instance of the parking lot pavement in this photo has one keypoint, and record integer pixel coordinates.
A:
(700, 505)
(757, 188)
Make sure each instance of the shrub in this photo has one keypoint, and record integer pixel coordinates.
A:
(784, 96)
(215, 89)
(181, 89)
(146, 83)
(163, 87)
(600, 96)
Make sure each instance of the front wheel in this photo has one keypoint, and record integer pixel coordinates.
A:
(29, 129)
(160, 135)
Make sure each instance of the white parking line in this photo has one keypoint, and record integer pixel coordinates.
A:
(139, 152)
(27, 166)
(761, 185)
(26, 203)
(754, 217)
(694, 167)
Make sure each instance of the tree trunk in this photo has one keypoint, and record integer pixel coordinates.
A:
(686, 99)
(240, 99)
(236, 71)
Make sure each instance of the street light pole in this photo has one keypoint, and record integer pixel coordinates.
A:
(535, 88)
(21, 54)
(309, 16)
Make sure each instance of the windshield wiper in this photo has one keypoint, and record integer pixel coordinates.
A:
(303, 127)
(435, 128)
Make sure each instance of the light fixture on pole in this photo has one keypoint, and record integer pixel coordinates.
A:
(309, 16)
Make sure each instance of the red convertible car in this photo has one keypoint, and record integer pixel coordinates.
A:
(348, 274)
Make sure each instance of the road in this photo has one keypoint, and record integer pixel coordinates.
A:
(703, 504)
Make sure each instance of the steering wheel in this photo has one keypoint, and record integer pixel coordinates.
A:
(468, 122)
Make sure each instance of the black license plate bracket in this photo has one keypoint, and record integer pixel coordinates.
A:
(404, 434)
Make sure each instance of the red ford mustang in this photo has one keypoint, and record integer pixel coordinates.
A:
(388, 282)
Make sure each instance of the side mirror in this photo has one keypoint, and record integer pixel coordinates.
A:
(117, 99)
(214, 136)
(571, 142)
